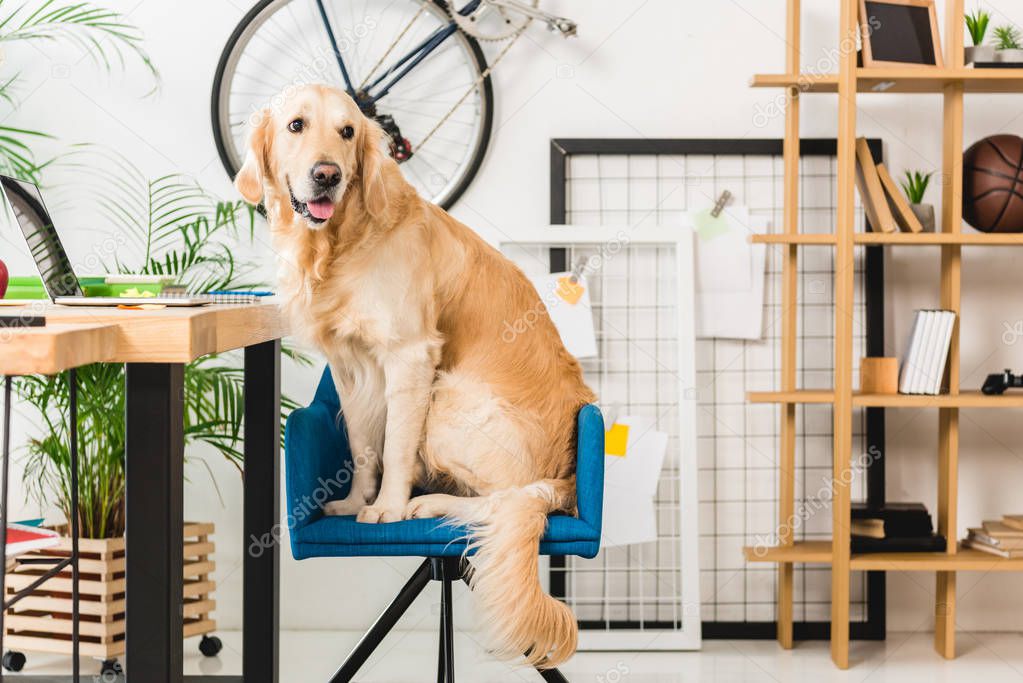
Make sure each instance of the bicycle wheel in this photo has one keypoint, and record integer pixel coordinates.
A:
(438, 115)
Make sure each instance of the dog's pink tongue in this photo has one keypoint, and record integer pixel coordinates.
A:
(321, 209)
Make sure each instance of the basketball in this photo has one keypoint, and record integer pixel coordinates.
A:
(992, 184)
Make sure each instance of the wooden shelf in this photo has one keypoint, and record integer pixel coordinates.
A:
(965, 560)
(813, 552)
(794, 238)
(798, 396)
(896, 238)
(939, 238)
(819, 552)
(901, 80)
(965, 399)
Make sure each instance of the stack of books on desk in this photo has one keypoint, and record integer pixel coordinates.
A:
(894, 527)
(1003, 538)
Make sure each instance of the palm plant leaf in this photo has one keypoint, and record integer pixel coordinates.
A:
(103, 34)
(16, 157)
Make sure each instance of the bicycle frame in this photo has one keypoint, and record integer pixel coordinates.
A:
(367, 98)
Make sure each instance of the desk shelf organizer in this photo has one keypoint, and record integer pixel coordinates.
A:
(951, 81)
(41, 622)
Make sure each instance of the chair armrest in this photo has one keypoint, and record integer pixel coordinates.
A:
(589, 468)
(318, 462)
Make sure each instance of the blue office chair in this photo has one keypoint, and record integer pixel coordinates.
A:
(318, 470)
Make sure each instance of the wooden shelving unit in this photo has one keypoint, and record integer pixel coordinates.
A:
(951, 83)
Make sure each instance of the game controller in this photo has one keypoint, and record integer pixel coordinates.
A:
(997, 384)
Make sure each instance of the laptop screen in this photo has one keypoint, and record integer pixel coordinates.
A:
(51, 260)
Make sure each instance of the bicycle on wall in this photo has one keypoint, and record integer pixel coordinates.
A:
(414, 66)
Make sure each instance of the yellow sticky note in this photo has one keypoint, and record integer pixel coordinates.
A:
(569, 291)
(616, 440)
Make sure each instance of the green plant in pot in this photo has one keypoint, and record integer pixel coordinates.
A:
(976, 25)
(1009, 45)
(915, 186)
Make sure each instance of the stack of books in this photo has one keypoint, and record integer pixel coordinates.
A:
(894, 527)
(923, 365)
(1003, 538)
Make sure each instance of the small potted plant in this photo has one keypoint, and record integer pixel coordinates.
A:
(915, 186)
(977, 24)
(1010, 50)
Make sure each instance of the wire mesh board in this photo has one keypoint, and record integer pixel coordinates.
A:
(656, 182)
(640, 293)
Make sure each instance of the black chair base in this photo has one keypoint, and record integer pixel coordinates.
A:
(443, 569)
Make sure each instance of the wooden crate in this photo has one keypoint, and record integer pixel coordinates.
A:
(41, 622)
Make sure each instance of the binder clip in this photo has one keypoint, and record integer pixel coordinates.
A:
(721, 203)
(578, 270)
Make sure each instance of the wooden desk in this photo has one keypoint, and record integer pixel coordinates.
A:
(49, 350)
(155, 346)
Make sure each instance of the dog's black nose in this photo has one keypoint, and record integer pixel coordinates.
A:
(326, 174)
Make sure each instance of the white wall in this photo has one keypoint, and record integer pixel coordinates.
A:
(659, 68)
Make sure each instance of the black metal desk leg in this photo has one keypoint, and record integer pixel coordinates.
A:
(3, 507)
(261, 621)
(72, 380)
(155, 451)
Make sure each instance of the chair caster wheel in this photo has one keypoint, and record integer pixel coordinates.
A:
(210, 646)
(110, 668)
(13, 661)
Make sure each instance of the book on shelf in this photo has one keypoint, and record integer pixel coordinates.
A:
(995, 541)
(899, 205)
(901, 520)
(998, 537)
(999, 529)
(1015, 521)
(867, 528)
(932, 543)
(893, 528)
(993, 550)
(926, 355)
(872, 196)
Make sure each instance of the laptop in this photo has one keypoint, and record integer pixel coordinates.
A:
(58, 276)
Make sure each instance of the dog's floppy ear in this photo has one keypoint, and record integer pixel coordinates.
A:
(371, 163)
(249, 180)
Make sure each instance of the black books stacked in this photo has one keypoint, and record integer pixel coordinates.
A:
(894, 527)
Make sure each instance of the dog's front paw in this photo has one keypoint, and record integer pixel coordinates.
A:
(427, 506)
(349, 506)
(380, 513)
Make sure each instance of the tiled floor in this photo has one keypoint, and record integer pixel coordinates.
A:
(409, 657)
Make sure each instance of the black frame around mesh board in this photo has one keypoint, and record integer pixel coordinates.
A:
(818, 157)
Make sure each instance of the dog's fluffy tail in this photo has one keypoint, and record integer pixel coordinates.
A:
(519, 617)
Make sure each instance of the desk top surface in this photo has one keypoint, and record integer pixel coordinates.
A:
(78, 335)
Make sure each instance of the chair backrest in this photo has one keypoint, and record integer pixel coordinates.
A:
(589, 465)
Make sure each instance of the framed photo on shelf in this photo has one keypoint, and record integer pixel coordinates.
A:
(899, 33)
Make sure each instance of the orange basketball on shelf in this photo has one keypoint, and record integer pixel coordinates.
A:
(993, 184)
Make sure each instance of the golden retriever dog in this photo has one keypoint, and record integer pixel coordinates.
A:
(409, 306)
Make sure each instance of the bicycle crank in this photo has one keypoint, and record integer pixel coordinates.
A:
(399, 145)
